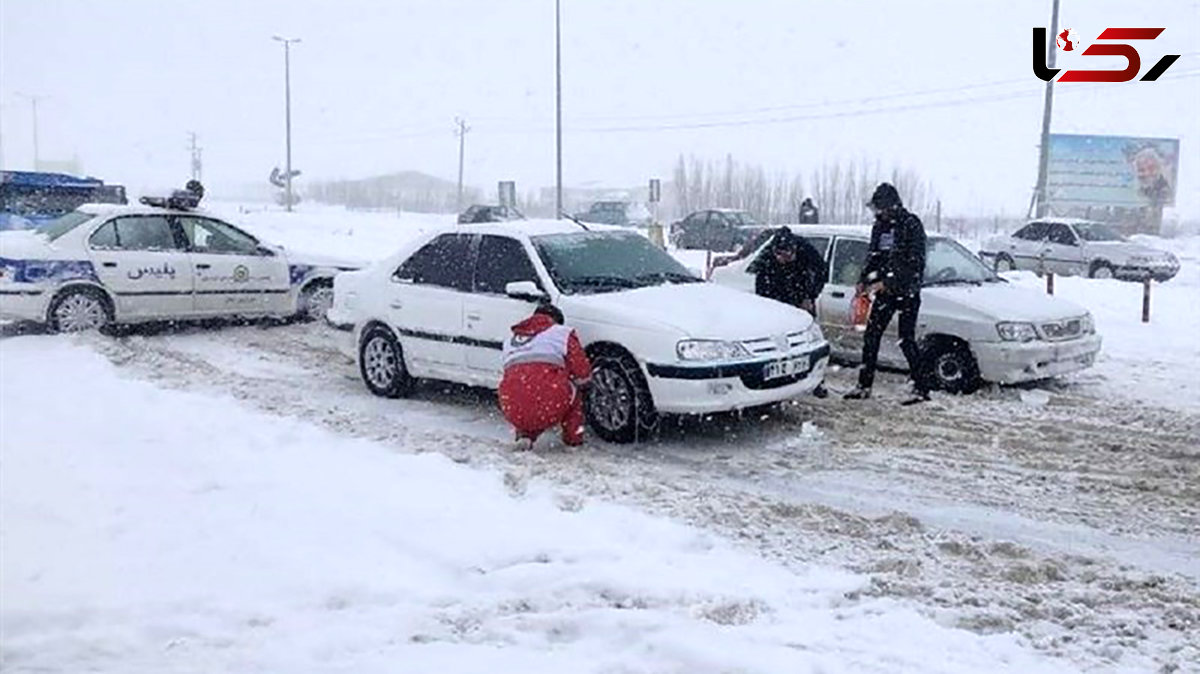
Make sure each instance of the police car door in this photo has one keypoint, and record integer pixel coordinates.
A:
(489, 313)
(234, 275)
(142, 262)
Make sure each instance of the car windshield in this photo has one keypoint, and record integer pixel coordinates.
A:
(59, 226)
(948, 263)
(595, 262)
(1096, 231)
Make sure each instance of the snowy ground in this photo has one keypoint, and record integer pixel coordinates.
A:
(188, 522)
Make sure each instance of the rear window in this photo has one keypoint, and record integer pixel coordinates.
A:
(57, 227)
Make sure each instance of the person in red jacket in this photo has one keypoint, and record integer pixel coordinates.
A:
(545, 372)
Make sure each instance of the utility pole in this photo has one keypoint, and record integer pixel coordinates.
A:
(195, 152)
(461, 132)
(287, 94)
(1039, 194)
(558, 109)
(33, 100)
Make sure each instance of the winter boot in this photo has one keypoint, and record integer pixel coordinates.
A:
(859, 393)
(523, 443)
(917, 396)
(820, 391)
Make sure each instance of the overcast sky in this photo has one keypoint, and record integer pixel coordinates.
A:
(376, 85)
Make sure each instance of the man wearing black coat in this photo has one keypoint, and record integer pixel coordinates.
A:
(894, 272)
(792, 271)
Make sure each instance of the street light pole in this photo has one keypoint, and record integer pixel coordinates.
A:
(558, 109)
(1044, 151)
(287, 94)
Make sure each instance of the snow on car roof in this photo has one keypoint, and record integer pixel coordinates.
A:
(1065, 221)
(845, 230)
(129, 209)
(535, 227)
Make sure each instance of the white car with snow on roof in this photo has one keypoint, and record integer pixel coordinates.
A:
(661, 340)
(973, 325)
(1074, 247)
(103, 264)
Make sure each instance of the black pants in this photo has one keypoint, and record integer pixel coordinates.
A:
(882, 310)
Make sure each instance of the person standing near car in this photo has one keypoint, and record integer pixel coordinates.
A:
(545, 374)
(793, 272)
(893, 273)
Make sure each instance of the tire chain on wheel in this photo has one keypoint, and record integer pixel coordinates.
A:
(644, 417)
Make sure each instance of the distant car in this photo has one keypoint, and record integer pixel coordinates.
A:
(718, 230)
(619, 213)
(973, 326)
(102, 264)
(1078, 248)
(661, 340)
(480, 213)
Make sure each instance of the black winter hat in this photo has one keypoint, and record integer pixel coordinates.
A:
(885, 197)
(547, 309)
(784, 240)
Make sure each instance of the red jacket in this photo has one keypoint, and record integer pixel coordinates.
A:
(539, 340)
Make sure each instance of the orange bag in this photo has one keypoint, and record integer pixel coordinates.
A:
(860, 311)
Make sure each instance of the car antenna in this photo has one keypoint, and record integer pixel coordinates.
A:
(574, 219)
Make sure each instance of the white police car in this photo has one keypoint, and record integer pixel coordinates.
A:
(161, 260)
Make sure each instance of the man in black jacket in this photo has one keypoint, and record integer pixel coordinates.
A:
(894, 272)
(792, 271)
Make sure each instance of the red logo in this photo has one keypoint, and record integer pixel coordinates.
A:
(1133, 61)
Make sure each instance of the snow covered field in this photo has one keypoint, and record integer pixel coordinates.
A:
(233, 500)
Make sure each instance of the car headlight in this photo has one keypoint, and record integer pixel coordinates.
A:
(1017, 332)
(709, 349)
(1089, 325)
(812, 335)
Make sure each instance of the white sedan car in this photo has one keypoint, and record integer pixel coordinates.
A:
(1078, 248)
(660, 339)
(104, 264)
(973, 325)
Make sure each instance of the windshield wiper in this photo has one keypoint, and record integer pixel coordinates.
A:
(602, 281)
(669, 276)
(953, 282)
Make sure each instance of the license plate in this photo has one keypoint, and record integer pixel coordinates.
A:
(785, 368)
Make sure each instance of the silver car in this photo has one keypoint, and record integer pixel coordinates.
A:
(1078, 248)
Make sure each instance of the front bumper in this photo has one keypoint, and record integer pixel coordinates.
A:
(705, 389)
(23, 304)
(1158, 272)
(1016, 362)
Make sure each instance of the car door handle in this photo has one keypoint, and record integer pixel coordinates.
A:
(109, 264)
(203, 266)
(838, 294)
(396, 304)
(474, 317)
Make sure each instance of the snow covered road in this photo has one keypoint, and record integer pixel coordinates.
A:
(1069, 520)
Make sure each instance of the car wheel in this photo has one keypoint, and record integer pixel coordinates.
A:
(619, 406)
(80, 309)
(1004, 263)
(381, 363)
(315, 301)
(950, 367)
(1100, 269)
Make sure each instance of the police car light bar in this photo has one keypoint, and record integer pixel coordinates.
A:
(180, 200)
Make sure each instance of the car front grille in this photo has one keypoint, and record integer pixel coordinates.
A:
(1059, 331)
(770, 346)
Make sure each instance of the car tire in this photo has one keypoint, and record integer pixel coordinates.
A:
(1003, 263)
(79, 309)
(315, 300)
(381, 363)
(619, 406)
(1101, 270)
(951, 367)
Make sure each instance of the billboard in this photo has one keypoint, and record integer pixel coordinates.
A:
(1106, 171)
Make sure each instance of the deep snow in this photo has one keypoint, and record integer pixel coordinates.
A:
(158, 531)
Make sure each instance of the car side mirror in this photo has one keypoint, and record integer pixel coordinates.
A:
(697, 272)
(524, 290)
